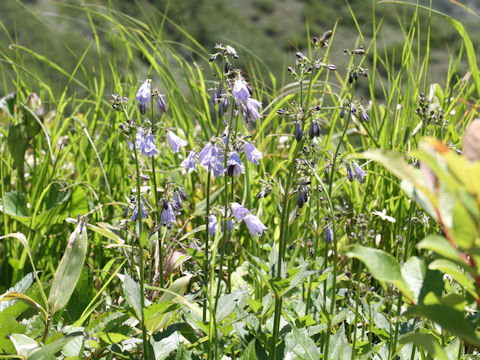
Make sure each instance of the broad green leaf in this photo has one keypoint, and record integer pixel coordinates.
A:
(420, 279)
(131, 290)
(7, 103)
(48, 351)
(162, 348)
(19, 287)
(449, 318)
(381, 265)
(441, 246)
(339, 348)
(449, 267)
(12, 296)
(464, 229)
(426, 342)
(15, 204)
(310, 350)
(69, 269)
(158, 316)
(249, 353)
(23, 344)
(226, 305)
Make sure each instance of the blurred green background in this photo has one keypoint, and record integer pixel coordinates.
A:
(266, 30)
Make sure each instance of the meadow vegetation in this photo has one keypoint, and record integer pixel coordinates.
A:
(161, 199)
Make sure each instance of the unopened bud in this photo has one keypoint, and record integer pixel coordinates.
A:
(298, 132)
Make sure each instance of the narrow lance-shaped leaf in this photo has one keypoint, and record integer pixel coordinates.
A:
(69, 268)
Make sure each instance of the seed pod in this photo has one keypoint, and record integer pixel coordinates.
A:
(298, 132)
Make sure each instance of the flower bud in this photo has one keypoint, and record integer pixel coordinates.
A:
(364, 116)
(329, 235)
(350, 175)
(298, 132)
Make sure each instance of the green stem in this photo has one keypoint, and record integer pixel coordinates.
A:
(141, 265)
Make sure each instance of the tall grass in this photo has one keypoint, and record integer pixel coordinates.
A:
(181, 292)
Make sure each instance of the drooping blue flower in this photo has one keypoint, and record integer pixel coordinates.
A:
(254, 225)
(135, 213)
(205, 156)
(189, 162)
(359, 173)
(168, 215)
(230, 225)
(149, 148)
(144, 93)
(175, 142)
(328, 235)
(350, 175)
(176, 201)
(144, 144)
(251, 112)
(238, 211)
(212, 225)
(240, 90)
(217, 167)
(234, 164)
(252, 153)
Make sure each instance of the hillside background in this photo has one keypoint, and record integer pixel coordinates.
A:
(269, 31)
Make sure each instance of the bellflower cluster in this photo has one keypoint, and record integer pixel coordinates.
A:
(135, 213)
(242, 95)
(168, 214)
(211, 158)
(145, 144)
(254, 224)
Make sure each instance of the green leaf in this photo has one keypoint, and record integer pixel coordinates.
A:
(448, 318)
(381, 265)
(165, 346)
(7, 103)
(69, 269)
(420, 279)
(131, 290)
(249, 353)
(339, 346)
(20, 287)
(48, 351)
(310, 350)
(23, 344)
(441, 246)
(426, 342)
(226, 305)
(15, 204)
(452, 269)
(464, 227)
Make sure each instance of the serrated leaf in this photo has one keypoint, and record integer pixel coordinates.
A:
(69, 269)
(339, 346)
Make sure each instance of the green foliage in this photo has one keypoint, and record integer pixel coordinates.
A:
(379, 263)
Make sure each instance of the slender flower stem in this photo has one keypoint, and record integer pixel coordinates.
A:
(141, 265)
(205, 266)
